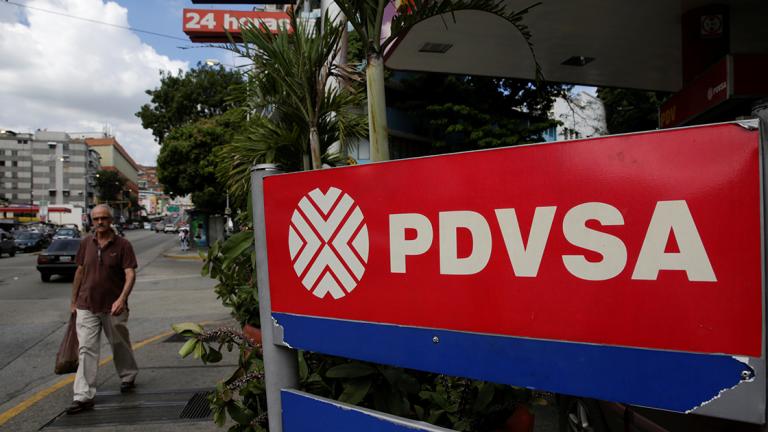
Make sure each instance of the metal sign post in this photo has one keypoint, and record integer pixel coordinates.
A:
(280, 363)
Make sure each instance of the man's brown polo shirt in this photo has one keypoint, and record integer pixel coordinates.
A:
(104, 272)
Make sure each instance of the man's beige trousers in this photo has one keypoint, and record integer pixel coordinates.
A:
(89, 326)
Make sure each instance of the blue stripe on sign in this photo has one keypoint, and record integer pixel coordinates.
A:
(675, 381)
(303, 412)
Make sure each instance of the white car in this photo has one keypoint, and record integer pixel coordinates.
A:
(170, 228)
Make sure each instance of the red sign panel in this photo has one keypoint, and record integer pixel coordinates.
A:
(208, 25)
(649, 240)
(707, 91)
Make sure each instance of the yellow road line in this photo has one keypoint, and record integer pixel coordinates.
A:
(42, 394)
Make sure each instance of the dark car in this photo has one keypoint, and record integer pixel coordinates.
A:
(58, 259)
(29, 241)
(7, 245)
(66, 233)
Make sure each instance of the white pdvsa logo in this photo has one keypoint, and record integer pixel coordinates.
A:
(328, 242)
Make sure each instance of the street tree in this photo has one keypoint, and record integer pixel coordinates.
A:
(629, 110)
(187, 161)
(460, 113)
(184, 97)
(366, 17)
(109, 185)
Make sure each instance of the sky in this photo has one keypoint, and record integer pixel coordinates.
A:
(65, 74)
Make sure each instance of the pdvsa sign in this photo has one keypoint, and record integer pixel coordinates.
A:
(625, 268)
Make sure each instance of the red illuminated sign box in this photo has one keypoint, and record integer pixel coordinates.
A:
(209, 25)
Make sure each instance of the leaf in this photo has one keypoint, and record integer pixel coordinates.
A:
(303, 368)
(350, 370)
(240, 414)
(199, 350)
(485, 394)
(188, 347)
(355, 390)
(187, 328)
(212, 356)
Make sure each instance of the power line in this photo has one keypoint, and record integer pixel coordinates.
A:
(93, 21)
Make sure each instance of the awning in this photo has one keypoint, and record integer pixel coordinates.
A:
(34, 209)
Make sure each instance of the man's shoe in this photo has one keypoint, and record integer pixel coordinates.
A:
(127, 386)
(80, 406)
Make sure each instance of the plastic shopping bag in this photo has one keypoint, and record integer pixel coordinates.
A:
(66, 358)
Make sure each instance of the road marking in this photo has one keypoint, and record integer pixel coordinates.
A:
(42, 394)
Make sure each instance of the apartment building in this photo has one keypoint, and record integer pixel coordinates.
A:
(46, 168)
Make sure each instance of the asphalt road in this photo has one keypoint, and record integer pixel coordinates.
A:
(33, 313)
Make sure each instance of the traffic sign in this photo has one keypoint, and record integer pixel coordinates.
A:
(625, 268)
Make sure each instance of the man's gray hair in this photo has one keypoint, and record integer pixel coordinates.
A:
(104, 206)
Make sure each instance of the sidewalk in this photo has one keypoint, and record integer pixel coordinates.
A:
(170, 394)
(192, 254)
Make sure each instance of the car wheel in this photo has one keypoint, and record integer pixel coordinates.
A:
(580, 415)
(45, 277)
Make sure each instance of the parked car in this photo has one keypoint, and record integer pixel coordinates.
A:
(147, 226)
(170, 228)
(7, 245)
(66, 233)
(30, 241)
(159, 226)
(58, 259)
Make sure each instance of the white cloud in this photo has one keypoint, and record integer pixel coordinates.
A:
(70, 75)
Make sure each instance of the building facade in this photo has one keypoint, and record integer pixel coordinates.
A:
(46, 168)
(115, 158)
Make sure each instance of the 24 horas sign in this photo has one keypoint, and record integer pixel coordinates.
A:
(213, 25)
(625, 268)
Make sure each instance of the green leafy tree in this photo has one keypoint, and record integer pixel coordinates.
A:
(460, 113)
(630, 110)
(184, 97)
(187, 160)
(109, 185)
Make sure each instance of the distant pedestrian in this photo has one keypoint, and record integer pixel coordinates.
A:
(184, 239)
(106, 272)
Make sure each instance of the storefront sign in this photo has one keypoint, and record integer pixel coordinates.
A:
(208, 25)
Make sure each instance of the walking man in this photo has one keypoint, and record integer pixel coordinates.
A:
(106, 271)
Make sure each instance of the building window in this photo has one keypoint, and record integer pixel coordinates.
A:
(66, 146)
(52, 192)
(2, 163)
(14, 163)
(51, 145)
(65, 192)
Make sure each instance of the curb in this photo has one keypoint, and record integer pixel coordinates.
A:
(183, 257)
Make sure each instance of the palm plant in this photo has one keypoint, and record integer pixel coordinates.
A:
(291, 73)
(366, 16)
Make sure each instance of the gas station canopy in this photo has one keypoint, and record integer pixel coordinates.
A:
(652, 44)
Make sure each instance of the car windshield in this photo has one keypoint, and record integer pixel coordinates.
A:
(27, 236)
(64, 246)
(65, 232)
